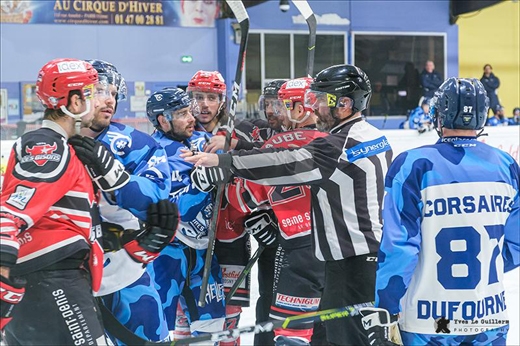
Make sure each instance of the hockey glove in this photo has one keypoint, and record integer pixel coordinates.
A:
(161, 226)
(381, 327)
(112, 235)
(108, 173)
(11, 293)
(205, 179)
(261, 226)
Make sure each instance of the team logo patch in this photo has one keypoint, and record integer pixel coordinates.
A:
(21, 196)
(119, 142)
(41, 154)
(255, 134)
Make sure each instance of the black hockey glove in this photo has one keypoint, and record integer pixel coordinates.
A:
(205, 179)
(108, 173)
(161, 226)
(11, 293)
(381, 327)
(112, 235)
(261, 226)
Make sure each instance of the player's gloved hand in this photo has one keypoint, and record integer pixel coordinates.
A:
(108, 173)
(261, 226)
(11, 293)
(206, 178)
(381, 327)
(161, 226)
(112, 235)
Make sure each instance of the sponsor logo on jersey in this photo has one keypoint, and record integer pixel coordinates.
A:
(21, 196)
(230, 274)
(41, 154)
(292, 302)
(215, 292)
(367, 149)
(119, 142)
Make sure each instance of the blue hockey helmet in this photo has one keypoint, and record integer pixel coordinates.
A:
(165, 102)
(461, 104)
(108, 74)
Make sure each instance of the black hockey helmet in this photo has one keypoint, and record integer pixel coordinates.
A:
(166, 102)
(270, 92)
(108, 73)
(344, 81)
(460, 103)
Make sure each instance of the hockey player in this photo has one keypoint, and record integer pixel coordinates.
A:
(345, 171)
(126, 287)
(253, 134)
(50, 222)
(177, 272)
(299, 278)
(208, 89)
(451, 230)
(247, 135)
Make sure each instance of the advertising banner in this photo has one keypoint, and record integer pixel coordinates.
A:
(182, 13)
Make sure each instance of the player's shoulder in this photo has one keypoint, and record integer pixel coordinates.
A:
(42, 154)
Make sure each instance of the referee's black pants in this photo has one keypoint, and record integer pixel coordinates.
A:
(347, 282)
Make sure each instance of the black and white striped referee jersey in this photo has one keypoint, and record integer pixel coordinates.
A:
(345, 171)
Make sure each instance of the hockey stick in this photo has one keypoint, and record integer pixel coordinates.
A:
(306, 11)
(244, 273)
(243, 20)
(289, 322)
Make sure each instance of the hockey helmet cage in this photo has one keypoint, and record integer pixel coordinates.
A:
(166, 101)
(344, 81)
(108, 73)
(59, 77)
(460, 103)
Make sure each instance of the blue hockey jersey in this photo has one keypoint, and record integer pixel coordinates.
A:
(451, 218)
(146, 163)
(145, 160)
(195, 207)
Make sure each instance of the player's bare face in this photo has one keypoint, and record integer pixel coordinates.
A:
(324, 120)
(274, 117)
(106, 106)
(209, 105)
(183, 123)
(87, 119)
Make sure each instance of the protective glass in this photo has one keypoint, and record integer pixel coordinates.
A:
(180, 114)
(208, 98)
(115, 79)
(271, 105)
(102, 90)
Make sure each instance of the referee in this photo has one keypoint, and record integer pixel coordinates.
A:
(345, 171)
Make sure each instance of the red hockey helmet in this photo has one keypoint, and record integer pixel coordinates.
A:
(294, 91)
(207, 81)
(60, 76)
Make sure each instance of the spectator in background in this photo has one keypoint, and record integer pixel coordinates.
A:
(498, 119)
(491, 84)
(410, 83)
(379, 104)
(419, 118)
(199, 13)
(431, 80)
(516, 117)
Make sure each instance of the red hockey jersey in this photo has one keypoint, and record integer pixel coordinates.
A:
(291, 204)
(48, 209)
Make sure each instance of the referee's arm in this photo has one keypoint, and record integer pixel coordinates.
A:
(310, 164)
